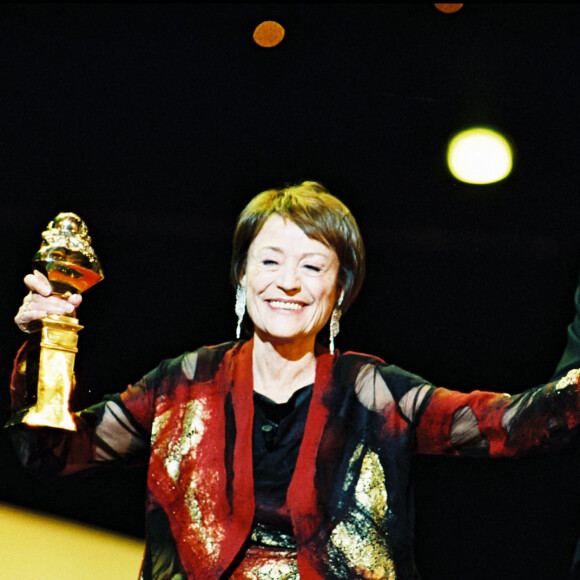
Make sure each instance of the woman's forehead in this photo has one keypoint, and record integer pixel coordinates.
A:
(283, 234)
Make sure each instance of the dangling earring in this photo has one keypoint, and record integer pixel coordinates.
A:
(240, 308)
(334, 323)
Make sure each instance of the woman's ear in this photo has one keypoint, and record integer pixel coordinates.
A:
(340, 297)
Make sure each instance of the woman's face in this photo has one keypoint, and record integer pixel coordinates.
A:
(290, 282)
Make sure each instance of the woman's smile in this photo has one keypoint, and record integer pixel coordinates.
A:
(286, 305)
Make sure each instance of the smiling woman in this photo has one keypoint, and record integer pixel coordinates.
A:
(297, 255)
(274, 456)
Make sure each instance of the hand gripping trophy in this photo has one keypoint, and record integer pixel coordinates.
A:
(69, 262)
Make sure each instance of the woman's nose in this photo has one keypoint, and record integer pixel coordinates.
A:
(288, 279)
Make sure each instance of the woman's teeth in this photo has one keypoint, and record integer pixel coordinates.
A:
(285, 305)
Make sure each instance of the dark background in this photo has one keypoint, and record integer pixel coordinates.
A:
(157, 123)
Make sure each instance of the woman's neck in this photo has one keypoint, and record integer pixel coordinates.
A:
(281, 369)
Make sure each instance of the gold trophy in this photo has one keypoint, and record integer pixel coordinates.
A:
(69, 262)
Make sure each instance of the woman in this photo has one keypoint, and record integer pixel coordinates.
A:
(277, 457)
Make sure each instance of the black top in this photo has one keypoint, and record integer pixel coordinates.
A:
(277, 435)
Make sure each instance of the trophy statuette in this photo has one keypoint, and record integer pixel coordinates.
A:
(69, 262)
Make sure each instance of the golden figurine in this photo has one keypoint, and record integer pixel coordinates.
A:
(69, 262)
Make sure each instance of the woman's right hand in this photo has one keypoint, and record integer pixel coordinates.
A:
(38, 303)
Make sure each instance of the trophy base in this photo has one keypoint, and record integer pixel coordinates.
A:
(54, 373)
(40, 418)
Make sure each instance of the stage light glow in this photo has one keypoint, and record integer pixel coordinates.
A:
(479, 155)
(268, 34)
(448, 8)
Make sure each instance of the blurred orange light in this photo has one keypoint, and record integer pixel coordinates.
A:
(448, 8)
(268, 34)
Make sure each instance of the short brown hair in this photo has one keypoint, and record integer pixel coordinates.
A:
(320, 215)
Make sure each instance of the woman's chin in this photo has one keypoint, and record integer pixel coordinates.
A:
(285, 336)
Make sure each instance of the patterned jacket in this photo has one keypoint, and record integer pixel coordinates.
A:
(349, 500)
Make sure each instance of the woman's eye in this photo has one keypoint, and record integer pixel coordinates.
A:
(269, 262)
(312, 268)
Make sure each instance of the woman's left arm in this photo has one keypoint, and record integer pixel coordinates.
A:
(496, 424)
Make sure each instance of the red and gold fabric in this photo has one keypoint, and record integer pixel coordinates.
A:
(348, 502)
